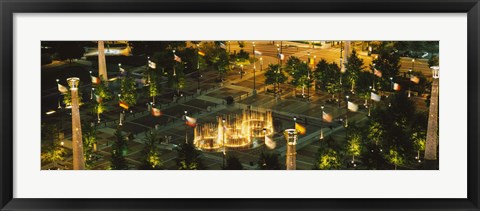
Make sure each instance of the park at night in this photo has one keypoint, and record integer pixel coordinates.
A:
(240, 105)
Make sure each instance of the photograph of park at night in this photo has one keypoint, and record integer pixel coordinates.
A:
(240, 105)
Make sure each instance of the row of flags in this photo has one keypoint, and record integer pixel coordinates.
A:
(414, 79)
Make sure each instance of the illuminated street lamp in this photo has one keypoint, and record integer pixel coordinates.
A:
(413, 64)
(346, 114)
(321, 124)
(409, 76)
(186, 127)
(121, 112)
(224, 153)
(391, 82)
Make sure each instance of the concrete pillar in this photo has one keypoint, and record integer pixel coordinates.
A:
(102, 64)
(432, 129)
(77, 142)
(291, 155)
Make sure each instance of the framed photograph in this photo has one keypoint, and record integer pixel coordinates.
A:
(211, 105)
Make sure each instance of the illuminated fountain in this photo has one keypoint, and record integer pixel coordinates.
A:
(235, 131)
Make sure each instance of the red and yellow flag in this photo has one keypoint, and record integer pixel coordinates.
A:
(300, 129)
(156, 112)
(201, 53)
(123, 105)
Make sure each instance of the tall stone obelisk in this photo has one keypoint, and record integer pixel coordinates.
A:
(291, 156)
(77, 142)
(102, 64)
(432, 129)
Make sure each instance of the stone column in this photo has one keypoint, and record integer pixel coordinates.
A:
(432, 129)
(77, 142)
(102, 64)
(291, 155)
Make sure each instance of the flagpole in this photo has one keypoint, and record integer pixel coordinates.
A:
(321, 124)
(223, 142)
(409, 76)
(120, 120)
(198, 68)
(346, 114)
(186, 128)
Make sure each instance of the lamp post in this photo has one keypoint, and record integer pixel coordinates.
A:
(224, 153)
(370, 99)
(413, 64)
(308, 78)
(340, 87)
(186, 127)
(198, 68)
(241, 71)
(409, 76)
(346, 114)
(321, 124)
(391, 82)
(373, 81)
(121, 112)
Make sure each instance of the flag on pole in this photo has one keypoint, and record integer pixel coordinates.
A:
(300, 129)
(98, 99)
(396, 87)
(374, 97)
(177, 58)
(156, 112)
(312, 61)
(281, 56)
(258, 53)
(270, 143)
(61, 88)
(352, 106)
(415, 79)
(201, 53)
(327, 117)
(378, 73)
(123, 105)
(152, 65)
(192, 122)
(95, 80)
(223, 45)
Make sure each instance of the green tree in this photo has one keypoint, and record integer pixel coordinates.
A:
(328, 76)
(216, 57)
(433, 61)
(151, 153)
(128, 90)
(274, 75)
(51, 150)
(154, 84)
(233, 163)
(354, 144)
(119, 150)
(388, 62)
(53, 153)
(300, 73)
(268, 161)
(327, 159)
(176, 78)
(354, 67)
(89, 134)
(68, 50)
(188, 157)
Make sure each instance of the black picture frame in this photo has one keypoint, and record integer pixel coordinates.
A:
(10, 7)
